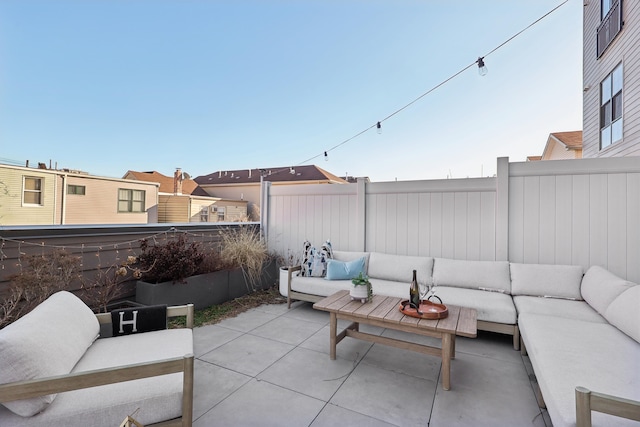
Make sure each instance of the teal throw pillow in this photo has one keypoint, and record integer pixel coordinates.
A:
(338, 270)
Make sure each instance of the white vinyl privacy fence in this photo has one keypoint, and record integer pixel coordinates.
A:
(582, 212)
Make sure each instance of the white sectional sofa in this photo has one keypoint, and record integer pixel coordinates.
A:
(55, 372)
(581, 331)
(592, 342)
(483, 285)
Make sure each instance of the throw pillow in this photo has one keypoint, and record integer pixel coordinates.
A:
(338, 270)
(140, 319)
(314, 262)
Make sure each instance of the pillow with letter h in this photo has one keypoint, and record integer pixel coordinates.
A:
(139, 319)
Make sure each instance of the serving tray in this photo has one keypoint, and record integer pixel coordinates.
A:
(428, 310)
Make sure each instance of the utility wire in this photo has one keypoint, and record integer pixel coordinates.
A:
(428, 91)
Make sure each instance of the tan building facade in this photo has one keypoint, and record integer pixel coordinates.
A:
(30, 196)
(181, 200)
(611, 77)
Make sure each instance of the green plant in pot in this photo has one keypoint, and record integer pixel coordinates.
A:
(361, 289)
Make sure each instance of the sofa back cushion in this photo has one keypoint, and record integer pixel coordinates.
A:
(624, 312)
(600, 287)
(485, 275)
(47, 341)
(545, 280)
(399, 268)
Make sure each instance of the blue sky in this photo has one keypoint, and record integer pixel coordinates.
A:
(204, 85)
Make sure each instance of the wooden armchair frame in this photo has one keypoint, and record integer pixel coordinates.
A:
(587, 401)
(75, 381)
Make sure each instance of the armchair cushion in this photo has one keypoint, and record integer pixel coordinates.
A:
(46, 342)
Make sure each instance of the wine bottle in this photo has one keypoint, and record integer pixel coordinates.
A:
(414, 293)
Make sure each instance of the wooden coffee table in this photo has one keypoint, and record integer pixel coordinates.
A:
(383, 312)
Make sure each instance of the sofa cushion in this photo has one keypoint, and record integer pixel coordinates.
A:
(546, 280)
(341, 270)
(491, 306)
(158, 398)
(490, 275)
(46, 342)
(624, 312)
(600, 287)
(566, 353)
(399, 268)
(559, 307)
(318, 285)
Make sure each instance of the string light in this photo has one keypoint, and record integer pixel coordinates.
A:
(482, 69)
(326, 157)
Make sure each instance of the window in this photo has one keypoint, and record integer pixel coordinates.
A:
(610, 25)
(76, 189)
(204, 213)
(130, 200)
(611, 108)
(221, 213)
(32, 191)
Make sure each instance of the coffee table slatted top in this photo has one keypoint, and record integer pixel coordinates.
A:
(460, 321)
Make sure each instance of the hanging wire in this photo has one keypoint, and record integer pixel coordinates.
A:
(377, 125)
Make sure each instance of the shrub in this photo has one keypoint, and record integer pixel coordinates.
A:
(172, 261)
(243, 247)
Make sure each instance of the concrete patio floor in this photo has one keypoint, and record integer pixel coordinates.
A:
(270, 366)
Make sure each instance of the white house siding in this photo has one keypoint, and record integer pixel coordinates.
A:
(581, 212)
(558, 152)
(12, 211)
(624, 49)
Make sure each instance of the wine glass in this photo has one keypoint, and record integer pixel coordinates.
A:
(426, 288)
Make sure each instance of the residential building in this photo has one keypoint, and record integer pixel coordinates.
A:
(182, 200)
(42, 196)
(245, 183)
(611, 70)
(561, 146)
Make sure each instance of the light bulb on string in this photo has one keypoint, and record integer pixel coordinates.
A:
(326, 157)
(482, 69)
(378, 128)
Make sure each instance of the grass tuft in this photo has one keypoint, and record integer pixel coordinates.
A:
(216, 313)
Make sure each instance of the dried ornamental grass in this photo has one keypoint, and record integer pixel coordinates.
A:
(244, 248)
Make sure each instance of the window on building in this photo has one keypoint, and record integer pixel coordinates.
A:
(130, 200)
(610, 25)
(221, 213)
(32, 191)
(611, 108)
(76, 189)
(204, 213)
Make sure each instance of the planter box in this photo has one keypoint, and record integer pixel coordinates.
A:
(203, 290)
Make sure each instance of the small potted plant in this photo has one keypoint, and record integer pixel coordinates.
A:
(361, 288)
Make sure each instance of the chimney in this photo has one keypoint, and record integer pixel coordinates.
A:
(177, 181)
